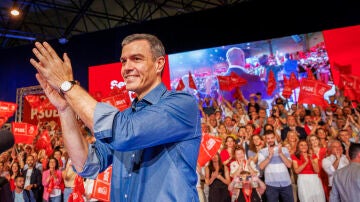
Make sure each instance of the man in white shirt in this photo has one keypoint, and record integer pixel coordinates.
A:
(275, 161)
(335, 160)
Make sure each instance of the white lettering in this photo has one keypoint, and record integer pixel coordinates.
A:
(115, 83)
(19, 130)
(102, 190)
(106, 176)
(120, 102)
(308, 88)
(210, 143)
(43, 114)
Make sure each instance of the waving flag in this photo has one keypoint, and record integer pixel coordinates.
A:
(271, 86)
(312, 92)
(208, 148)
(180, 85)
(191, 82)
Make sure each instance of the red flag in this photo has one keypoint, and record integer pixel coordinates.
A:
(191, 82)
(312, 92)
(44, 142)
(227, 83)
(271, 86)
(237, 93)
(224, 83)
(101, 189)
(24, 132)
(78, 191)
(287, 91)
(294, 83)
(180, 86)
(310, 75)
(7, 109)
(236, 80)
(208, 148)
(350, 84)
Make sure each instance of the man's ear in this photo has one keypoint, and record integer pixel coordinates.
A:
(160, 63)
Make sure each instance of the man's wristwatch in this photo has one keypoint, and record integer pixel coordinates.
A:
(66, 86)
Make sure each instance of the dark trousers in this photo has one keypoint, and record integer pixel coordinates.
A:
(285, 194)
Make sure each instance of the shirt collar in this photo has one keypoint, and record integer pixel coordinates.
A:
(154, 95)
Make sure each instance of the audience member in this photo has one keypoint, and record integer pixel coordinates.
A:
(346, 181)
(33, 179)
(335, 161)
(21, 194)
(275, 161)
(306, 165)
(218, 178)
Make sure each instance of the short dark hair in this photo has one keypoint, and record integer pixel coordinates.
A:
(18, 176)
(268, 132)
(354, 150)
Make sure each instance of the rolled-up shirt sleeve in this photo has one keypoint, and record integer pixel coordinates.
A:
(99, 154)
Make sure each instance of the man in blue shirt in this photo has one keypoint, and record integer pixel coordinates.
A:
(153, 146)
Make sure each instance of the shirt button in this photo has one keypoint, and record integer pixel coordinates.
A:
(130, 175)
(133, 155)
(125, 195)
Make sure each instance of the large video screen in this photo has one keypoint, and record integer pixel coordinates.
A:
(254, 61)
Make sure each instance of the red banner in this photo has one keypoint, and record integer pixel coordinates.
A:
(7, 109)
(33, 100)
(24, 132)
(208, 148)
(37, 108)
(312, 92)
(101, 189)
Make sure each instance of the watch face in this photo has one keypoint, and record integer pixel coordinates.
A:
(65, 86)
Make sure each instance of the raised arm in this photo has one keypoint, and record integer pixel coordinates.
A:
(53, 71)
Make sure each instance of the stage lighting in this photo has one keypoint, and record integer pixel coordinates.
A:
(14, 12)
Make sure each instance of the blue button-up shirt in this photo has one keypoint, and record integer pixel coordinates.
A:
(153, 147)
